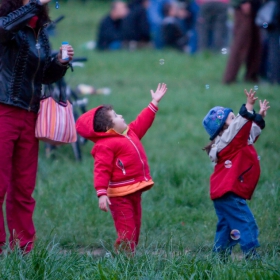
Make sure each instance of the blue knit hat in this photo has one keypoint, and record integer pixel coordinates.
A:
(214, 121)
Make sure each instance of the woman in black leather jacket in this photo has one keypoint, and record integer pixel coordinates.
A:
(25, 64)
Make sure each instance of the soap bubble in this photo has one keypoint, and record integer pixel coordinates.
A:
(56, 5)
(38, 46)
(228, 164)
(265, 25)
(259, 157)
(256, 87)
(224, 51)
(235, 234)
(161, 61)
(207, 86)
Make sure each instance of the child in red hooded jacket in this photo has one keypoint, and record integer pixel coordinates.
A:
(121, 170)
(236, 173)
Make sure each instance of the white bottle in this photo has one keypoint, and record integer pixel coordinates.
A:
(65, 51)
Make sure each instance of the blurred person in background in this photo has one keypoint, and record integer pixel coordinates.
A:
(155, 14)
(273, 47)
(212, 24)
(136, 25)
(111, 28)
(188, 14)
(173, 32)
(246, 45)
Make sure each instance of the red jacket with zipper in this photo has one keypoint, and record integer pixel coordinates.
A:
(119, 160)
(237, 166)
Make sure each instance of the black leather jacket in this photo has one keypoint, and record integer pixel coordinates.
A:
(25, 59)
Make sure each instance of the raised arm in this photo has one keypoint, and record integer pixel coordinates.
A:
(160, 92)
(259, 122)
(145, 119)
(57, 67)
(17, 19)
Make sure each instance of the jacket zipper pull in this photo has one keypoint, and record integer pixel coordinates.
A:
(122, 166)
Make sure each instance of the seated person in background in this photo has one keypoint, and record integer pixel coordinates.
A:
(188, 14)
(172, 32)
(136, 25)
(110, 35)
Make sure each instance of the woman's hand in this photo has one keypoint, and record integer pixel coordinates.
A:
(70, 52)
(103, 202)
(160, 92)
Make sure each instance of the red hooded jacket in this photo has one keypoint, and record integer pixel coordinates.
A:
(119, 160)
(237, 166)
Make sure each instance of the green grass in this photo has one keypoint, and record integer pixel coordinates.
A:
(178, 215)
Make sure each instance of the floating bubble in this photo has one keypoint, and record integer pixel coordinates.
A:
(207, 86)
(235, 234)
(224, 51)
(161, 61)
(256, 87)
(228, 164)
(259, 157)
(38, 46)
(265, 25)
(56, 5)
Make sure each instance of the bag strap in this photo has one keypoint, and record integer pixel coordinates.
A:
(62, 98)
(62, 92)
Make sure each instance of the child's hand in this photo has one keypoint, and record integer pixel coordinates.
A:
(103, 202)
(160, 92)
(263, 108)
(251, 99)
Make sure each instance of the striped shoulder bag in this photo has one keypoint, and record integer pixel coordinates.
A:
(55, 123)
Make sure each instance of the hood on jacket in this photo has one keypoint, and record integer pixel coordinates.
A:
(85, 128)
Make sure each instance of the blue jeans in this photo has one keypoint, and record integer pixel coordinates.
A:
(233, 213)
(115, 45)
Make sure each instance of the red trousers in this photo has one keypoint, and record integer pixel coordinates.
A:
(127, 212)
(18, 168)
(246, 48)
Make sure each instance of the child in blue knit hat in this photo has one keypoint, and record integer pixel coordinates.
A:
(236, 173)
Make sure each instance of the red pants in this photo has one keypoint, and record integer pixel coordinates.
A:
(18, 168)
(126, 212)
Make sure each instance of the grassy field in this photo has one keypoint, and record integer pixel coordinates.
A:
(75, 238)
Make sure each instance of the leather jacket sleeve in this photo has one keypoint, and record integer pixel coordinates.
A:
(55, 71)
(17, 19)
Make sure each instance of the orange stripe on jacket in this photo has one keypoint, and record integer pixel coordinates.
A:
(132, 188)
(125, 190)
